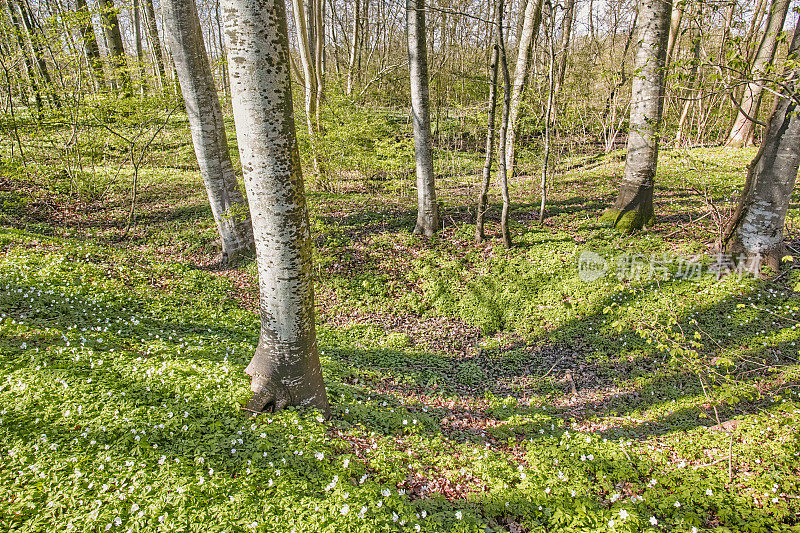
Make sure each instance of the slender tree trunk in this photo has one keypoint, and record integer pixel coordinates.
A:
(285, 369)
(137, 39)
(38, 54)
(755, 232)
(483, 198)
(523, 6)
(752, 30)
(743, 130)
(566, 35)
(319, 59)
(549, 116)
(226, 86)
(427, 208)
(354, 47)
(533, 18)
(116, 50)
(674, 28)
(633, 208)
(307, 57)
(726, 30)
(155, 42)
(19, 30)
(505, 122)
(90, 47)
(693, 75)
(185, 39)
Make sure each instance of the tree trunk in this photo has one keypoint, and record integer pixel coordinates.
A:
(38, 54)
(18, 31)
(504, 126)
(697, 37)
(116, 50)
(726, 30)
(137, 40)
(566, 35)
(674, 28)
(755, 232)
(633, 208)
(155, 42)
(90, 43)
(354, 47)
(228, 205)
(427, 208)
(285, 369)
(549, 116)
(307, 51)
(533, 18)
(743, 130)
(490, 124)
(226, 86)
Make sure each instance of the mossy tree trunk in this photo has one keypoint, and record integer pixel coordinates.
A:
(755, 232)
(633, 208)
(285, 369)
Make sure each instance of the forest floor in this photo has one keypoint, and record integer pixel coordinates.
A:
(473, 388)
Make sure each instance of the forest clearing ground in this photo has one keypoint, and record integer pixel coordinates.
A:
(473, 388)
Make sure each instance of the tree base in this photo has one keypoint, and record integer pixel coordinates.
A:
(628, 222)
(278, 383)
(232, 259)
(753, 261)
(633, 209)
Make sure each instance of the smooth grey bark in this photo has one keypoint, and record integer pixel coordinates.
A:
(675, 27)
(743, 130)
(483, 198)
(755, 232)
(285, 369)
(305, 29)
(633, 208)
(185, 39)
(530, 28)
(155, 42)
(726, 30)
(89, 39)
(427, 207)
(137, 40)
(116, 50)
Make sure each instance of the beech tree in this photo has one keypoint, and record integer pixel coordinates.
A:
(90, 47)
(743, 127)
(120, 78)
(185, 39)
(633, 208)
(427, 208)
(155, 42)
(755, 232)
(483, 197)
(285, 369)
(530, 28)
